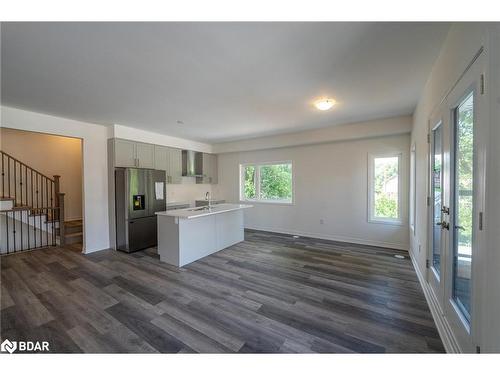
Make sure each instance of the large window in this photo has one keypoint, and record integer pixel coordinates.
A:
(267, 182)
(384, 191)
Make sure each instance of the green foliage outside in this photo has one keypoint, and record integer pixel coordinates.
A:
(250, 182)
(464, 159)
(386, 204)
(275, 182)
(386, 207)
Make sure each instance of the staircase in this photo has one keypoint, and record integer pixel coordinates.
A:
(73, 234)
(31, 208)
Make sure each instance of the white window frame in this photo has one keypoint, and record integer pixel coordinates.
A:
(413, 195)
(257, 166)
(371, 188)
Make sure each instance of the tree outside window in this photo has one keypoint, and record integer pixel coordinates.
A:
(384, 194)
(267, 182)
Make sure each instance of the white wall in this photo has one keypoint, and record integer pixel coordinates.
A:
(460, 46)
(360, 130)
(331, 183)
(51, 155)
(95, 180)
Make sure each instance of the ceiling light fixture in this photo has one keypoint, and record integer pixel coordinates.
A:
(324, 104)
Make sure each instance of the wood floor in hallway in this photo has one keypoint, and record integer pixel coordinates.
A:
(271, 293)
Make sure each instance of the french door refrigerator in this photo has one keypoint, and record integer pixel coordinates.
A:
(139, 193)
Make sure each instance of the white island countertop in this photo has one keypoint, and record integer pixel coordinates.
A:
(191, 213)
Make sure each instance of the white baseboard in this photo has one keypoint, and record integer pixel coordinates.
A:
(85, 251)
(450, 343)
(391, 245)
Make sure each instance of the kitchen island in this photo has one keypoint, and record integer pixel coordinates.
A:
(190, 234)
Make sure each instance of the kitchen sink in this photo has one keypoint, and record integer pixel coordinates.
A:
(203, 208)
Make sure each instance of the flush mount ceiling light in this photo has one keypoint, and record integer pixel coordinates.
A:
(324, 104)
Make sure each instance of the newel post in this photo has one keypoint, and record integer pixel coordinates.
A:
(60, 198)
(56, 190)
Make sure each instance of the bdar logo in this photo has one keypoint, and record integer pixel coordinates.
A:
(8, 346)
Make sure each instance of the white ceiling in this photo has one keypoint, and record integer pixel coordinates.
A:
(225, 81)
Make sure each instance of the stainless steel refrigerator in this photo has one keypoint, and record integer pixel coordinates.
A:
(139, 193)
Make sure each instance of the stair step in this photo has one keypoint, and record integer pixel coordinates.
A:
(73, 223)
(73, 226)
(76, 234)
(17, 208)
(70, 238)
(21, 208)
(6, 203)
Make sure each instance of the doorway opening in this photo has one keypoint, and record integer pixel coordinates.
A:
(41, 191)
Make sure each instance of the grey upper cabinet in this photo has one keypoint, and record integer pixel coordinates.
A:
(145, 154)
(170, 160)
(210, 169)
(175, 172)
(162, 158)
(133, 154)
(125, 153)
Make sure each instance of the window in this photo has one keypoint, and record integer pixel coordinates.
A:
(463, 213)
(436, 181)
(384, 191)
(267, 182)
(413, 195)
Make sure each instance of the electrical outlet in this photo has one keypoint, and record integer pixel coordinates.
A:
(321, 221)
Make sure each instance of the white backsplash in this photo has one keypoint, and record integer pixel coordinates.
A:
(188, 191)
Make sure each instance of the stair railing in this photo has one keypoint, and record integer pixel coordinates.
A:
(27, 186)
(38, 212)
(21, 230)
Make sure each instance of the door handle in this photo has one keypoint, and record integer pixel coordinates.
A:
(459, 227)
(444, 225)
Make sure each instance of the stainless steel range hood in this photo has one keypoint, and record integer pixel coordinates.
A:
(192, 163)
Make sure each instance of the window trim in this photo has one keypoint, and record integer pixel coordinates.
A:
(371, 188)
(257, 166)
(413, 189)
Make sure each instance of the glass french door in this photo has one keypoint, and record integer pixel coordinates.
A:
(456, 168)
(438, 203)
(463, 205)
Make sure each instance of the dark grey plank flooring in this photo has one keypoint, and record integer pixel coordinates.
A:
(269, 294)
